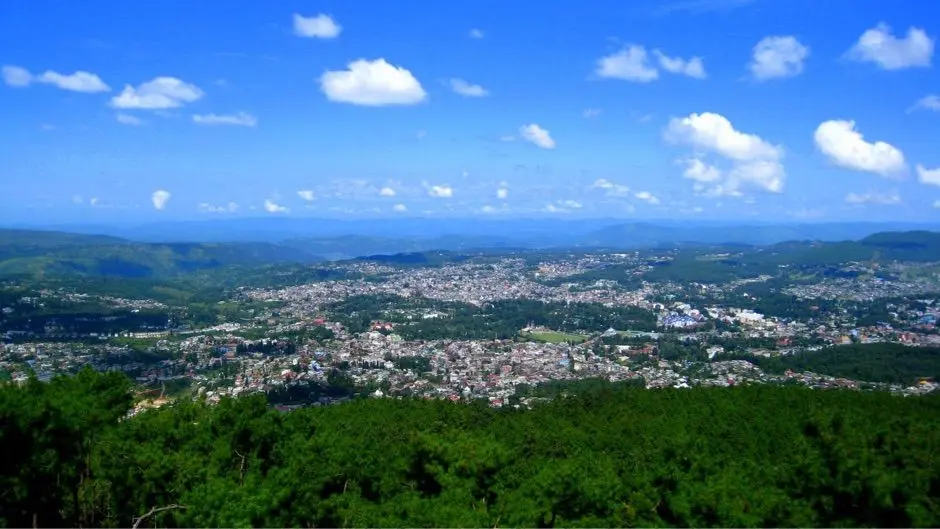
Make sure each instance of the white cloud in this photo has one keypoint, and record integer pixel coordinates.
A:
(272, 207)
(611, 188)
(240, 119)
(16, 76)
(476, 33)
(936, 204)
(79, 81)
(930, 102)
(320, 27)
(372, 83)
(628, 64)
(159, 198)
(507, 138)
(693, 67)
(468, 90)
(928, 176)
(879, 46)
(647, 197)
(488, 209)
(846, 147)
(502, 193)
(537, 135)
(885, 199)
(591, 112)
(306, 194)
(754, 162)
(442, 191)
(400, 208)
(563, 206)
(778, 57)
(158, 94)
(387, 192)
(93, 201)
(700, 171)
(205, 207)
(84, 82)
(127, 119)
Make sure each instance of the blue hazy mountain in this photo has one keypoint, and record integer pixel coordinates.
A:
(418, 233)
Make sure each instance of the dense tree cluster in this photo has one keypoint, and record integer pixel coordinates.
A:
(879, 362)
(611, 456)
(501, 319)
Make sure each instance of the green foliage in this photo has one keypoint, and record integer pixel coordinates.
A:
(608, 455)
(500, 319)
(878, 362)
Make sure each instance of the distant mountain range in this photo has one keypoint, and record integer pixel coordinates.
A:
(35, 253)
(457, 233)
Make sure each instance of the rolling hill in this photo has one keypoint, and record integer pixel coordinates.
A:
(39, 254)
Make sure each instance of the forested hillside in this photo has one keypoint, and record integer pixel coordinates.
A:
(50, 255)
(614, 456)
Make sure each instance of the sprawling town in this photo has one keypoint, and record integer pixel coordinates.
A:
(389, 331)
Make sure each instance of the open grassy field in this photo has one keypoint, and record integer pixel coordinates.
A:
(554, 337)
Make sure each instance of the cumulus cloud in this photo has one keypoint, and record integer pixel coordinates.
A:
(928, 176)
(16, 76)
(700, 171)
(629, 64)
(160, 93)
(372, 83)
(562, 206)
(884, 199)
(647, 197)
(79, 81)
(387, 192)
(611, 188)
(127, 119)
(241, 119)
(84, 82)
(476, 33)
(778, 57)
(440, 191)
(537, 135)
(400, 208)
(272, 207)
(753, 161)
(206, 207)
(632, 63)
(318, 27)
(306, 194)
(468, 90)
(846, 147)
(693, 67)
(929, 102)
(159, 198)
(502, 193)
(879, 46)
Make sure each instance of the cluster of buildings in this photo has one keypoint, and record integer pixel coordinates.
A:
(229, 360)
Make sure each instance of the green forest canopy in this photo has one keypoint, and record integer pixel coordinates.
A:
(613, 456)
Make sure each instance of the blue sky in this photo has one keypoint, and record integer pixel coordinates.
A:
(705, 109)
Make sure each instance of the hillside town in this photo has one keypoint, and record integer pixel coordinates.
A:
(297, 338)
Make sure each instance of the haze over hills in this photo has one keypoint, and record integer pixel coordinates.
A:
(468, 232)
(43, 253)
